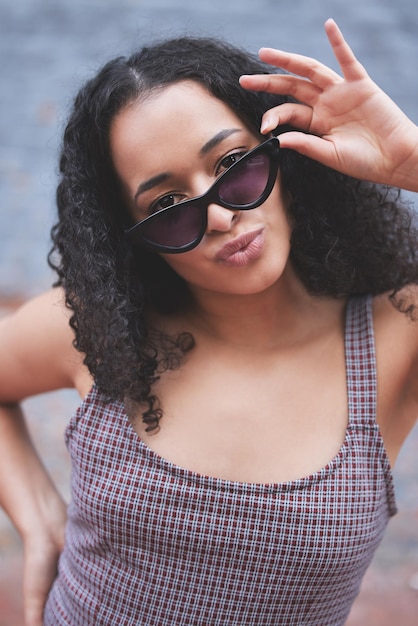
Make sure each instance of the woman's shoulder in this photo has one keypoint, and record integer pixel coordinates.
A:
(395, 319)
(395, 322)
(398, 308)
(36, 349)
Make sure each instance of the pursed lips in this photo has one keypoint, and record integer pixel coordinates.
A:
(240, 244)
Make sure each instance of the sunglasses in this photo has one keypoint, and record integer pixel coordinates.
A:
(244, 186)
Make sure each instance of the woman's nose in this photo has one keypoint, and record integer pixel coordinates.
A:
(221, 219)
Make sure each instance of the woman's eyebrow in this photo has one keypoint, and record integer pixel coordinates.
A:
(223, 134)
(150, 183)
(207, 147)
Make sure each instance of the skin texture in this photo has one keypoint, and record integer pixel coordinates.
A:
(268, 355)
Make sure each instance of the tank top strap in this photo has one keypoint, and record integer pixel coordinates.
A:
(360, 358)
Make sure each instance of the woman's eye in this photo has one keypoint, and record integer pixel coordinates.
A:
(229, 160)
(165, 202)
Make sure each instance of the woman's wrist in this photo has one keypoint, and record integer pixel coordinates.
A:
(46, 518)
(411, 174)
(28, 496)
(406, 175)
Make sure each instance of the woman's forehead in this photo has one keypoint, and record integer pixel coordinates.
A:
(186, 100)
(173, 114)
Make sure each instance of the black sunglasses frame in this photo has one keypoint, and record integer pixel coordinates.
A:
(211, 196)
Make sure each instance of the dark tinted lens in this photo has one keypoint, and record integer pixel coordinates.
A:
(246, 182)
(176, 227)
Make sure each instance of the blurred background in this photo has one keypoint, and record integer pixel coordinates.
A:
(48, 49)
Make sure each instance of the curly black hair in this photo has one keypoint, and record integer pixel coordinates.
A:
(349, 236)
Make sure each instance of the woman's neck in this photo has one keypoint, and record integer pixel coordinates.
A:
(282, 315)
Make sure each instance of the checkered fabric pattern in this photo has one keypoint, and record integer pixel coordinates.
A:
(150, 543)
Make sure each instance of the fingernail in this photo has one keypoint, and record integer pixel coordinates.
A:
(264, 126)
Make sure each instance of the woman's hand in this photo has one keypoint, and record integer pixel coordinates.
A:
(41, 553)
(352, 125)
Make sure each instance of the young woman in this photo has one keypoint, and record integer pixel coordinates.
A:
(237, 319)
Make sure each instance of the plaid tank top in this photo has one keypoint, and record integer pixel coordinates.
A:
(150, 543)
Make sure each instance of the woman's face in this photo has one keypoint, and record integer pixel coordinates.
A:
(172, 147)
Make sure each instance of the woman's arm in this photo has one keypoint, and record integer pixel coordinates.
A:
(35, 507)
(349, 123)
(36, 355)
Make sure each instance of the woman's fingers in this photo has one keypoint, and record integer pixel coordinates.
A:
(306, 71)
(312, 146)
(349, 64)
(300, 89)
(42, 552)
(306, 67)
(297, 115)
